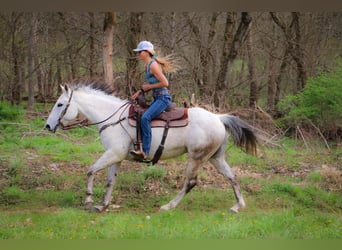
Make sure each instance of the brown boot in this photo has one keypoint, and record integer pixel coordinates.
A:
(139, 155)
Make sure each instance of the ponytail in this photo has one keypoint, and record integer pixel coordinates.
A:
(168, 63)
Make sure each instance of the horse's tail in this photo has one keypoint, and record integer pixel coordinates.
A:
(243, 134)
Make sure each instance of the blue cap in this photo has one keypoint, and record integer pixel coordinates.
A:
(144, 45)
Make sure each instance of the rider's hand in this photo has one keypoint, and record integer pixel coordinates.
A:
(146, 87)
(136, 94)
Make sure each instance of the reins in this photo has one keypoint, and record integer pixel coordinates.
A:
(84, 123)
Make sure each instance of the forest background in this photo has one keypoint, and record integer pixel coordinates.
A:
(229, 60)
(280, 71)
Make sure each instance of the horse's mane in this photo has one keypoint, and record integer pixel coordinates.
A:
(96, 84)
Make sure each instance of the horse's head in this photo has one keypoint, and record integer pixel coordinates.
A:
(63, 112)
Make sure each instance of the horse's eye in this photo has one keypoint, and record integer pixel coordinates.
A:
(59, 104)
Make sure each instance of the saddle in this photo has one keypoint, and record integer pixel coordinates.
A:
(172, 117)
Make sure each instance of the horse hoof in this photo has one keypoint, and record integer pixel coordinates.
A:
(88, 205)
(164, 208)
(234, 210)
(98, 209)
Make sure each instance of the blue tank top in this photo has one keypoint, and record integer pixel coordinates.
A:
(151, 79)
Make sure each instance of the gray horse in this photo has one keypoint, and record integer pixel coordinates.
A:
(203, 139)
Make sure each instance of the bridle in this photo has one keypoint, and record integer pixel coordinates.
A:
(64, 111)
(85, 123)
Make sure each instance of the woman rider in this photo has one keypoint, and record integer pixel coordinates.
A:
(158, 83)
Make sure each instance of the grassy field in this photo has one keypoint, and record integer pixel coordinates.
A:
(292, 191)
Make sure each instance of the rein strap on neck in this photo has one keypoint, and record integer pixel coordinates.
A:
(84, 123)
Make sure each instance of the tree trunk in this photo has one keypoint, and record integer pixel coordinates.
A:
(238, 40)
(293, 40)
(108, 30)
(15, 98)
(253, 88)
(207, 63)
(58, 74)
(40, 80)
(298, 53)
(69, 45)
(272, 76)
(279, 78)
(16, 84)
(131, 61)
(49, 82)
(199, 70)
(271, 85)
(227, 60)
(92, 64)
(228, 31)
(204, 50)
(172, 45)
(30, 59)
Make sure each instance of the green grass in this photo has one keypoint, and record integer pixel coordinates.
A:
(28, 135)
(289, 154)
(71, 223)
(278, 211)
(42, 190)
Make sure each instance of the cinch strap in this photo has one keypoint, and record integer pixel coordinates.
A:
(160, 149)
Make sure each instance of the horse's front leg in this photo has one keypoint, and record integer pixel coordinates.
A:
(107, 159)
(89, 192)
(109, 189)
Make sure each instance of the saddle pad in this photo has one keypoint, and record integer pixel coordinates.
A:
(177, 117)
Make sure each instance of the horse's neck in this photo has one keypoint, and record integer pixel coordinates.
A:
(96, 107)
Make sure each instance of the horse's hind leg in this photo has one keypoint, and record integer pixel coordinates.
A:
(110, 184)
(222, 166)
(190, 182)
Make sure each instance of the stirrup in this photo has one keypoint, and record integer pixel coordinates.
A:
(139, 156)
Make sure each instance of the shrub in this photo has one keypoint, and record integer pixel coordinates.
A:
(8, 112)
(319, 104)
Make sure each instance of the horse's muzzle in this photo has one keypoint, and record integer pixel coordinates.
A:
(48, 127)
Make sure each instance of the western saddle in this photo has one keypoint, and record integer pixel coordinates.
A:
(172, 117)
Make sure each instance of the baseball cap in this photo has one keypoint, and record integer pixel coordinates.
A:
(144, 45)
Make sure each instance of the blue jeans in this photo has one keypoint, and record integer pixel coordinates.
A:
(159, 104)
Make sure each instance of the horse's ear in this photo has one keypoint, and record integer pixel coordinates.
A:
(65, 89)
